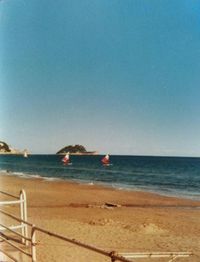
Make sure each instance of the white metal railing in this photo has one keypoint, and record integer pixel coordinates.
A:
(8, 240)
(21, 201)
(124, 257)
(171, 255)
(32, 240)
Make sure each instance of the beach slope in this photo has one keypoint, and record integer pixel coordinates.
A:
(140, 221)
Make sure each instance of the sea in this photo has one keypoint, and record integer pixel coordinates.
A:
(170, 176)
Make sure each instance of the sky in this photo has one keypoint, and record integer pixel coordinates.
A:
(117, 76)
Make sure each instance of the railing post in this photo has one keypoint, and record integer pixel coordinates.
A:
(33, 244)
(21, 197)
(25, 215)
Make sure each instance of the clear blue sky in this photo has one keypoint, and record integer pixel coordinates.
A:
(116, 76)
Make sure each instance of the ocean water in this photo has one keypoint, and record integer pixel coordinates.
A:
(173, 176)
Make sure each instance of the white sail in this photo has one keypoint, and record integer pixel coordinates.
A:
(107, 157)
(25, 154)
(106, 160)
(66, 158)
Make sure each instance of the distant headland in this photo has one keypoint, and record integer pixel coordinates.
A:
(76, 150)
(6, 149)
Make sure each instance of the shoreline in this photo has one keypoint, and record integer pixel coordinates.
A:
(142, 222)
(99, 184)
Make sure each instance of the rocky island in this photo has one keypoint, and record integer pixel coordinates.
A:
(76, 150)
(6, 149)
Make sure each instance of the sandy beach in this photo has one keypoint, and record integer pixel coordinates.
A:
(142, 222)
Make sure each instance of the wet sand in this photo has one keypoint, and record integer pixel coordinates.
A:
(142, 222)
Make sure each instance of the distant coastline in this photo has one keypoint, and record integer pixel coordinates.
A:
(16, 153)
(11, 153)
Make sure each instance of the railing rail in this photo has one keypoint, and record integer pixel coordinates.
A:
(156, 254)
(15, 218)
(15, 232)
(15, 246)
(123, 257)
(113, 255)
(8, 194)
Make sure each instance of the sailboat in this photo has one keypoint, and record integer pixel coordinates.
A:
(66, 160)
(25, 153)
(106, 160)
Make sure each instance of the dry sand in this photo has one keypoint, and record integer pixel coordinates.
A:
(144, 222)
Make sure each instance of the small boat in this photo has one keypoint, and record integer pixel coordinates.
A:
(106, 160)
(66, 160)
(25, 154)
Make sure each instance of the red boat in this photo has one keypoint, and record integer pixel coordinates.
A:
(106, 160)
(66, 160)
